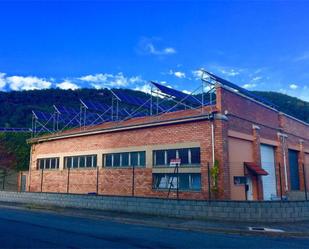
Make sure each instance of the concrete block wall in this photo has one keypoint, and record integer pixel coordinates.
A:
(278, 211)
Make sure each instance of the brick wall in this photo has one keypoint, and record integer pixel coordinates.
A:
(112, 181)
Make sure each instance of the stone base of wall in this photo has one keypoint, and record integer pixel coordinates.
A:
(264, 211)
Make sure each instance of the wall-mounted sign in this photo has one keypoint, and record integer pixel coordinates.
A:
(240, 180)
(175, 162)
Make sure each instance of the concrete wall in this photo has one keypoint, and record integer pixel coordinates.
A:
(192, 209)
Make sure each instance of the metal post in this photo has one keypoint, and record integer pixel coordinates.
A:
(177, 173)
(68, 181)
(305, 183)
(42, 180)
(208, 173)
(97, 180)
(133, 179)
(280, 180)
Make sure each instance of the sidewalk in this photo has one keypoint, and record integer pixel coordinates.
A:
(296, 229)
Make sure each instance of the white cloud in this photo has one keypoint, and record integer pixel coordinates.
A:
(27, 83)
(293, 86)
(151, 49)
(146, 46)
(249, 85)
(109, 80)
(2, 80)
(257, 78)
(177, 74)
(197, 74)
(146, 88)
(67, 85)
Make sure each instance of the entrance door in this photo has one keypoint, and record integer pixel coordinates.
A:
(23, 183)
(250, 191)
(307, 170)
(268, 164)
(294, 174)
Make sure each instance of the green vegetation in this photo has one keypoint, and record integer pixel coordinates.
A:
(16, 110)
(16, 147)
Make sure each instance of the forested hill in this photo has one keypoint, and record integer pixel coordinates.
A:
(287, 104)
(16, 107)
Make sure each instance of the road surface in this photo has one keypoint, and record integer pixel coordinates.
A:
(37, 229)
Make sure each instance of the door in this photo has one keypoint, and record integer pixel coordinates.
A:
(294, 173)
(307, 170)
(23, 183)
(250, 190)
(268, 164)
(240, 151)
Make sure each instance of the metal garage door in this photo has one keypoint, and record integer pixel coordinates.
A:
(268, 164)
(294, 174)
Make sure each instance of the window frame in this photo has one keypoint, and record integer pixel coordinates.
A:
(168, 176)
(94, 163)
(140, 163)
(166, 163)
(49, 160)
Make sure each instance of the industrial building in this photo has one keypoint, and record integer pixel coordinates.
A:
(234, 146)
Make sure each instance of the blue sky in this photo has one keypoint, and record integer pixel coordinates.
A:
(260, 45)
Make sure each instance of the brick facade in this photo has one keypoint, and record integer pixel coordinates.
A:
(233, 113)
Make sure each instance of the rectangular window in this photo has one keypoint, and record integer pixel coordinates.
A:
(116, 162)
(108, 160)
(80, 161)
(188, 156)
(48, 163)
(142, 159)
(134, 159)
(75, 162)
(186, 181)
(195, 155)
(159, 157)
(125, 159)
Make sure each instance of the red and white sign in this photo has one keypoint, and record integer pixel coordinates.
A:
(175, 162)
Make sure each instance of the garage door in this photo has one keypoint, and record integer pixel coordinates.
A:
(307, 170)
(268, 164)
(240, 151)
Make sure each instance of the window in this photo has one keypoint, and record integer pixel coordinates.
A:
(80, 161)
(125, 159)
(186, 181)
(188, 156)
(48, 163)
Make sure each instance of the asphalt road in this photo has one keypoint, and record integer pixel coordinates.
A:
(36, 229)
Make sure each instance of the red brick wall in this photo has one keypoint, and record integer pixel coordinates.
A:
(119, 181)
(244, 113)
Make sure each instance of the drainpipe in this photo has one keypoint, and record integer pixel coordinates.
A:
(283, 136)
(213, 142)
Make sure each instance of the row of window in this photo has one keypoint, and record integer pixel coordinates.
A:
(125, 159)
(187, 156)
(48, 163)
(87, 161)
(185, 181)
